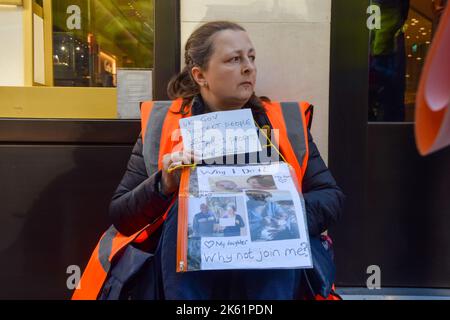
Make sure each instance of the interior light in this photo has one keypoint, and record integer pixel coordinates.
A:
(7, 6)
(419, 58)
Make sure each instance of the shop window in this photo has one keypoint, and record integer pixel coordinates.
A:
(397, 54)
(86, 59)
(93, 38)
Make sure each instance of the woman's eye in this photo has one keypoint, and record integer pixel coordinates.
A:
(238, 58)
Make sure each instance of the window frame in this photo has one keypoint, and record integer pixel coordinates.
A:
(104, 129)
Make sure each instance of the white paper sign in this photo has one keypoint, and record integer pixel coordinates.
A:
(133, 87)
(218, 134)
(268, 228)
(227, 222)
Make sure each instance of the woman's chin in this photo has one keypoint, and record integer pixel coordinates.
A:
(239, 100)
(245, 95)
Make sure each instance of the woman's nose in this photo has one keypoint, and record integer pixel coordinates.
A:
(248, 67)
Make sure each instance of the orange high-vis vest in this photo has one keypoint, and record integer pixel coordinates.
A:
(159, 120)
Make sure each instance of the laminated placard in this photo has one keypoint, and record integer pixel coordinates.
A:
(241, 217)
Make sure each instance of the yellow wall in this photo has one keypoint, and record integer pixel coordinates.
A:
(58, 102)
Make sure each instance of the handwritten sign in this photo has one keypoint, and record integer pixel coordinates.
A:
(218, 134)
(227, 255)
(267, 228)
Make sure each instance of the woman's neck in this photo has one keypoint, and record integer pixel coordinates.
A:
(213, 104)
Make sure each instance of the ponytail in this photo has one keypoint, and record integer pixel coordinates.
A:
(183, 86)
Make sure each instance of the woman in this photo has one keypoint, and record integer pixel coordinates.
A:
(226, 186)
(261, 214)
(261, 182)
(219, 75)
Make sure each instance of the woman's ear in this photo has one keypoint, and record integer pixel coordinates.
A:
(198, 76)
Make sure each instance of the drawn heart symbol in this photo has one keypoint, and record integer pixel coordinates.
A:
(209, 244)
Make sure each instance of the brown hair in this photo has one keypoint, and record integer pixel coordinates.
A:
(198, 51)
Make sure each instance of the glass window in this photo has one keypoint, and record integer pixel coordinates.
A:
(93, 38)
(397, 53)
(69, 56)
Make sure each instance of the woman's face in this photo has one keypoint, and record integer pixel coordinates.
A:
(231, 71)
(226, 185)
(230, 211)
(254, 183)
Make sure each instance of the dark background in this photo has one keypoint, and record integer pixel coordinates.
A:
(398, 203)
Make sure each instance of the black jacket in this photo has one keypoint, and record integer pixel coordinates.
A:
(137, 195)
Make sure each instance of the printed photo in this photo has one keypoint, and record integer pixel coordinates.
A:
(217, 217)
(238, 183)
(271, 215)
(194, 258)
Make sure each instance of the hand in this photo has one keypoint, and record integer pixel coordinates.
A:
(273, 233)
(171, 181)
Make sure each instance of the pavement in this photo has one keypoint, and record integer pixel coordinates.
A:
(394, 294)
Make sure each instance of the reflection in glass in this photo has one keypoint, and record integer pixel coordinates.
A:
(92, 38)
(388, 63)
(397, 54)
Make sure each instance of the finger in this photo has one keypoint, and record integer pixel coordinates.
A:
(167, 158)
(196, 158)
(180, 158)
(186, 158)
(183, 157)
(166, 163)
(195, 153)
(189, 157)
(174, 164)
(176, 156)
